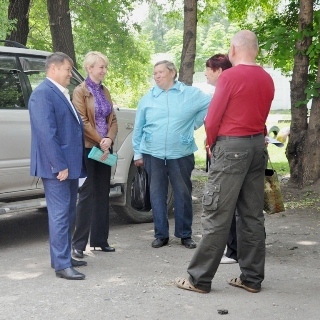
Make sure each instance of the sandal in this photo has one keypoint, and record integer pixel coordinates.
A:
(184, 283)
(236, 282)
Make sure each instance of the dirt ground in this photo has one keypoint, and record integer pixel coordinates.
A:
(137, 281)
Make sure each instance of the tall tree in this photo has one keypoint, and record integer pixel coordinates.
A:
(18, 10)
(302, 145)
(60, 27)
(188, 53)
(291, 42)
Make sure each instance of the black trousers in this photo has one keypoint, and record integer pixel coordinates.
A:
(92, 216)
(232, 240)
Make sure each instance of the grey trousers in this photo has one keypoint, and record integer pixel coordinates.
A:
(235, 180)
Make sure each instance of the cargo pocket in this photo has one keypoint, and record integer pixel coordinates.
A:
(235, 162)
(211, 196)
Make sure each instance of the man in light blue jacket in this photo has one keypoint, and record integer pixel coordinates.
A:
(163, 142)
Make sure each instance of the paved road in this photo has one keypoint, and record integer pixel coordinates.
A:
(136, 282)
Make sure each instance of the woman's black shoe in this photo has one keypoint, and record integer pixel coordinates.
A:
(105, 249)
(77, 253)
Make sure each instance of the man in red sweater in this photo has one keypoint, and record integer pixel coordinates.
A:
(235, 127)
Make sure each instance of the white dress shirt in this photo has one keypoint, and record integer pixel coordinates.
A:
(65, 91)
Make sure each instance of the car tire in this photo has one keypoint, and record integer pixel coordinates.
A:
(133, 215)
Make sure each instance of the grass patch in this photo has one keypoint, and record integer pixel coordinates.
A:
(309, 199)
(200, 161)
(281, 111)
(200, 178)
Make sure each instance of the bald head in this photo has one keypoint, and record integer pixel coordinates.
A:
(244, 47)
(245, 39)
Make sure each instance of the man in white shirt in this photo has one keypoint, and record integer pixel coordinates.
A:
(57, 147)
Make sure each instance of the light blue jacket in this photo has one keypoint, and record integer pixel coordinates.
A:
(165, 121)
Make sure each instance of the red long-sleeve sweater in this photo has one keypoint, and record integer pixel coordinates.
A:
(240, 104)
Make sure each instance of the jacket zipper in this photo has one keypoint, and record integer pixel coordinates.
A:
(165, 146)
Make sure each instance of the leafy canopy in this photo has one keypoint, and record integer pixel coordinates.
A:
(105, 26)
(5, 25)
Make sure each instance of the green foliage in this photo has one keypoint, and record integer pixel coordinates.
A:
(172, 12)
(240, 10)
(211, 9)
(164, 25)
(173, 41)
(5, 25)
(278, 34)
(103, 25)
(214, 40)
(39, 34)
(156, 26)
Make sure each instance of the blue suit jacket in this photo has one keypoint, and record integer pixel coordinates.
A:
(57, 138)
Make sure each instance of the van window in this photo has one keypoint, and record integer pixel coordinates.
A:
(10, 88)
(35, 69)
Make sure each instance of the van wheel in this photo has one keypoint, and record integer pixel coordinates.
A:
(138, 216)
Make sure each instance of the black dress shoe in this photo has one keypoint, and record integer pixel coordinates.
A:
(77, 263)
(159, 242)
(106, 249)
(188, 243)
(70, 274)
(77, 253)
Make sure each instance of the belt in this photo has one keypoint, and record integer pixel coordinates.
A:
(239, 137)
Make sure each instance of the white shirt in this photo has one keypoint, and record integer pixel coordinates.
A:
(65, 91)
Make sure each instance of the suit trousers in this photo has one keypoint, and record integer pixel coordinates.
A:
(236, 180)
(61, 198)
(93, 207)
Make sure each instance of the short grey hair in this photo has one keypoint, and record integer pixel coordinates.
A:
(169, 65)
(57, 58)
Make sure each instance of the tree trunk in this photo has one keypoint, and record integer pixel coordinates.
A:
(188, 54)
(60, 27)
(311, 156)
(299, 122)
(19, 10)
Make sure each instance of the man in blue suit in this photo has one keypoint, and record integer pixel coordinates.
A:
(57, 147)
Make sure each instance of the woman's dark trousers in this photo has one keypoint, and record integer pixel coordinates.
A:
(92, 215)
